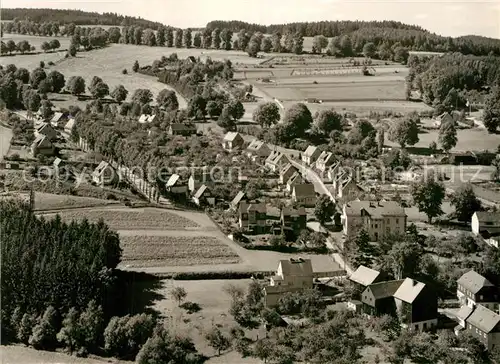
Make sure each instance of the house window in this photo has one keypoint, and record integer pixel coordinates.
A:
(481, 297)
(397, 221)
(376, 226)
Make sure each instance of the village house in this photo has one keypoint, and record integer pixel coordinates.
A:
(294, 219)
(292, 275)
(484, 325)
(252, 217)
(345, 188)
(286, 172)
(146, 119)
(378, 298)
(462, 315)
(463, 158)
(176, 186)
(58, 163)
(68, 128)
(57, 119)
(47, 130)
(474, 289)
(104, 174)
(276, 161)
(310, 155)
(333, 171)
(378, 219)
(443, 118)
(204, 196)
(198, 178)
(295, 179)
(417, 305)
(364, 276)
(325, 160)
(487, 225)
(304, 194)
(181, 129)
(239, 198)
(232, 140)
(258, 151)
(42, 145)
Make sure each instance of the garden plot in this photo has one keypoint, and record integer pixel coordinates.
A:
(154, 251)
(137, 219)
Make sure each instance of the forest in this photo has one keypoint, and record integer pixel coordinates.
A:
(77, 17)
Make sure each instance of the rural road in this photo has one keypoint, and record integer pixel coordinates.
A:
(5, 138)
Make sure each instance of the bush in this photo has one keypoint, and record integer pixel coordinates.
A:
(51, 63)
(124, 71)
(187, 276)
(44, 333)
(111, 196)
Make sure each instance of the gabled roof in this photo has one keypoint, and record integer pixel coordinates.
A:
(464, 312)
(257, 207)
(296, 267)
(374, 209)
(325, 157)
(57, 117)
(296, 177)
(146, 118)
(276, 157)
(385, 289)
(57, 161)
(231, 136)
(201, 191)
(287, 211)
(172, 181)
(237, 199)
(70, 124)
(311, 151)
(41, 141)
(364, 275)
(256, 145)
(304, 190)
(287, 168)
(44, 126)
(484, 319)
(473, 281)
(409, 290)
(100, 168)
(488, 217)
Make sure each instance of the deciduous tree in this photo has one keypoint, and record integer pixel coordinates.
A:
(465, 202)
(404, 132)
(448, 135)
(266, 114)
(428, 195)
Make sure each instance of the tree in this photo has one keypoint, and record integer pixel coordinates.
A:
(37, 76)
(45, 86)
(197, 107)
(298, 43)
(124, 336)
(207, 38)
(263, 349)
(179, 294)
(428, 195)
(266, 114)
(72, 50)
(380, 140)
(401, 55)
(44, 333)
(328, 120)
(369, 50)
(267, 45)
(119, 94)
(320, 42)
(160, 37)
(76, 85)
(188, 38)
(70, 331)
(22, 74)
(217, 340)
(197, 40)
(346, 46)
(168, 100)
(226, 36)
(91, 323)
(225, 120)
(214, 108)
(298, 119)
(169, 35)
(465, 202)
(491, 112)
(404, 132)
(99, 90)
(216, 38)
(46, 109)
(404, 258)
(11, 46)
(179, 34)
(324, 209)
(447, 135)
(25, 328)
(54, 44)
(276, 41)
(236, 109)
(142, 96)
(135, 67)
(57, 80)
(23, 46)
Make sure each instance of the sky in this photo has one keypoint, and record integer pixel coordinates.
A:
(445, 17)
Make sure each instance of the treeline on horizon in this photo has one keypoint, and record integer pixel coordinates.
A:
(76, 17)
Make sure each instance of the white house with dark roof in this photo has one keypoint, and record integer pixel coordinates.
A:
(176, 186)
(183, 129)
(286, 172)
(295, 179)
(445, 117)
(57, 118)
(310, 155)
(378, 219)
(474, 289)
(258, 151)
(462, 315)
(484, 325)
(325, 160)
(276, 161)
(487, 225)
(304, 194)
(232, 140)
(240, 197)
(104, 174)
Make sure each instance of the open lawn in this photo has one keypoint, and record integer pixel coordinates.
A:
(128, 219)
(147, 251)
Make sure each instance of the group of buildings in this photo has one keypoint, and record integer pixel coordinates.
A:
(46, 133)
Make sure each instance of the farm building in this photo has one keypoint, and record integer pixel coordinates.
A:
(473, 289)
(485, 223)
(325, 160)
(252, 217)
(484, 325)
(310, 155)
(258, 151)
(304, 194)
(176, 186)
(42, 145)
(199, 178)
(295, 179)
(204, 196)
(104, 174)
(378, 298)
(467, 158)
(232, 140)
(294, 219)
(443, 118)
(364, 276)
(47, 130)
(181, 129)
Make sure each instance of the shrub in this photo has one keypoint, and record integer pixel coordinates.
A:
(124, 71)
(44, 333)
(111, 196)
(51, 63)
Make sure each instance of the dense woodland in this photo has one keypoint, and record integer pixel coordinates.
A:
(78, 17)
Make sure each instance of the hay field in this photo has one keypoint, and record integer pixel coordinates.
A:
(152, 251)
(128, 219)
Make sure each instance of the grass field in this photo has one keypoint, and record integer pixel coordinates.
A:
(48, 201)
(37, 41)
(147, 251)
(127, 219)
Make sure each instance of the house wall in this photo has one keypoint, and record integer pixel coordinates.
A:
(475, 224)
(425, 306)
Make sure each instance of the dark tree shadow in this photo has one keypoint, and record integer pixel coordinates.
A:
(134, 293)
